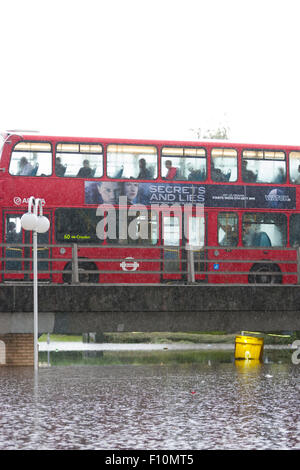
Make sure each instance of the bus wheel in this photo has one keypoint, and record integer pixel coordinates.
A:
(260, 274)
(83, 276)
(87, 277)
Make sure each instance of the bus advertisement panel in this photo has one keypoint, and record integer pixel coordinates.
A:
(247, 197)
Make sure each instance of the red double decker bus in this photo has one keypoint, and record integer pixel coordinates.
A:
(135, 209)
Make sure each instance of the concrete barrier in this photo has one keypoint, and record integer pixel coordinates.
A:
(76, 309)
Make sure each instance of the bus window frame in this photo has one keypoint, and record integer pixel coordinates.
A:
(79, 153)
(293, 215)
(252, 214)
(238, 226)
(183, 156)
(289, 165)
(71, 237)
(246, 149)
(25, 151)
(237, 163)
(131, 145)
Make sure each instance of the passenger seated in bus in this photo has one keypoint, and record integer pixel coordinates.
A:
(119, 172)
(60, 169)
(145, 173)
(35, 170)
(25, 168)
(195, 175)
(218, 175)
(227, 175)
(85, 171)
(171, 175)
(248, 175)
(297, 179)
(280, 178)
(12, 236)
(253, 238)
(231, 237)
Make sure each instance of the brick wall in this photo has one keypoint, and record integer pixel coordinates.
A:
(19, 349)
(2, 353)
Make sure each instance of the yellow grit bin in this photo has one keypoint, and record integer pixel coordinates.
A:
(248, 347)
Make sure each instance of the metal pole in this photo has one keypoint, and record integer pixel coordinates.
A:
(48, 353)
(191, 267)
(188, 259)
(35, 302)
(75, 274)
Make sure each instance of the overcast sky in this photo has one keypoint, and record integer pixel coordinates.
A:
(153, 69)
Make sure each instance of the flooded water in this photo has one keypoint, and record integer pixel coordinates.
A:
(151, 400)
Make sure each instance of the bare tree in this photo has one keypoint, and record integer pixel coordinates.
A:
(197, 131)
(221, 133)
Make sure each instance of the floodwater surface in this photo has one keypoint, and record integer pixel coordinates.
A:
(212, 403)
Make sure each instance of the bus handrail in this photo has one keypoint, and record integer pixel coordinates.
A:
(157, 246)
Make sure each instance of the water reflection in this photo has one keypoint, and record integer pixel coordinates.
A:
(163, 357)
(207, 401)
(134, 357)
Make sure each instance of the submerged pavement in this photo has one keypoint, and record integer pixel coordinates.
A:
(79, 346)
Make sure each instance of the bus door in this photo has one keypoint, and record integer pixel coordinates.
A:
(14, 254)
(224, 266)
(18, 258)
(196, 243)
(171, 240)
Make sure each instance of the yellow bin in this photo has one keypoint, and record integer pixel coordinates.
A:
(248, 347)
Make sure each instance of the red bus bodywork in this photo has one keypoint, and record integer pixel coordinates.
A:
(63, 192)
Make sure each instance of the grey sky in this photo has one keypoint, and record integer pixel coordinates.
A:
(151, 69)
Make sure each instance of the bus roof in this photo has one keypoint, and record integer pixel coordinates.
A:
(35, 135)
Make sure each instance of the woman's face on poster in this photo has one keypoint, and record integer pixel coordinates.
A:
(131, 190)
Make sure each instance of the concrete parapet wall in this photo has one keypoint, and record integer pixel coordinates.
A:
(75, 309)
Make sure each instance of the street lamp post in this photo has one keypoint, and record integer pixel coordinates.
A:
(35, 221)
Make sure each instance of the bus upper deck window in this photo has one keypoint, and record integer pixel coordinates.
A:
(223, 165)
(263, 166)
(79, 160)
(294, 167)
(31, 159)
(132, 162)
(183, 164)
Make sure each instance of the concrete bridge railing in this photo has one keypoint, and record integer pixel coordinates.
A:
(73, 309)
